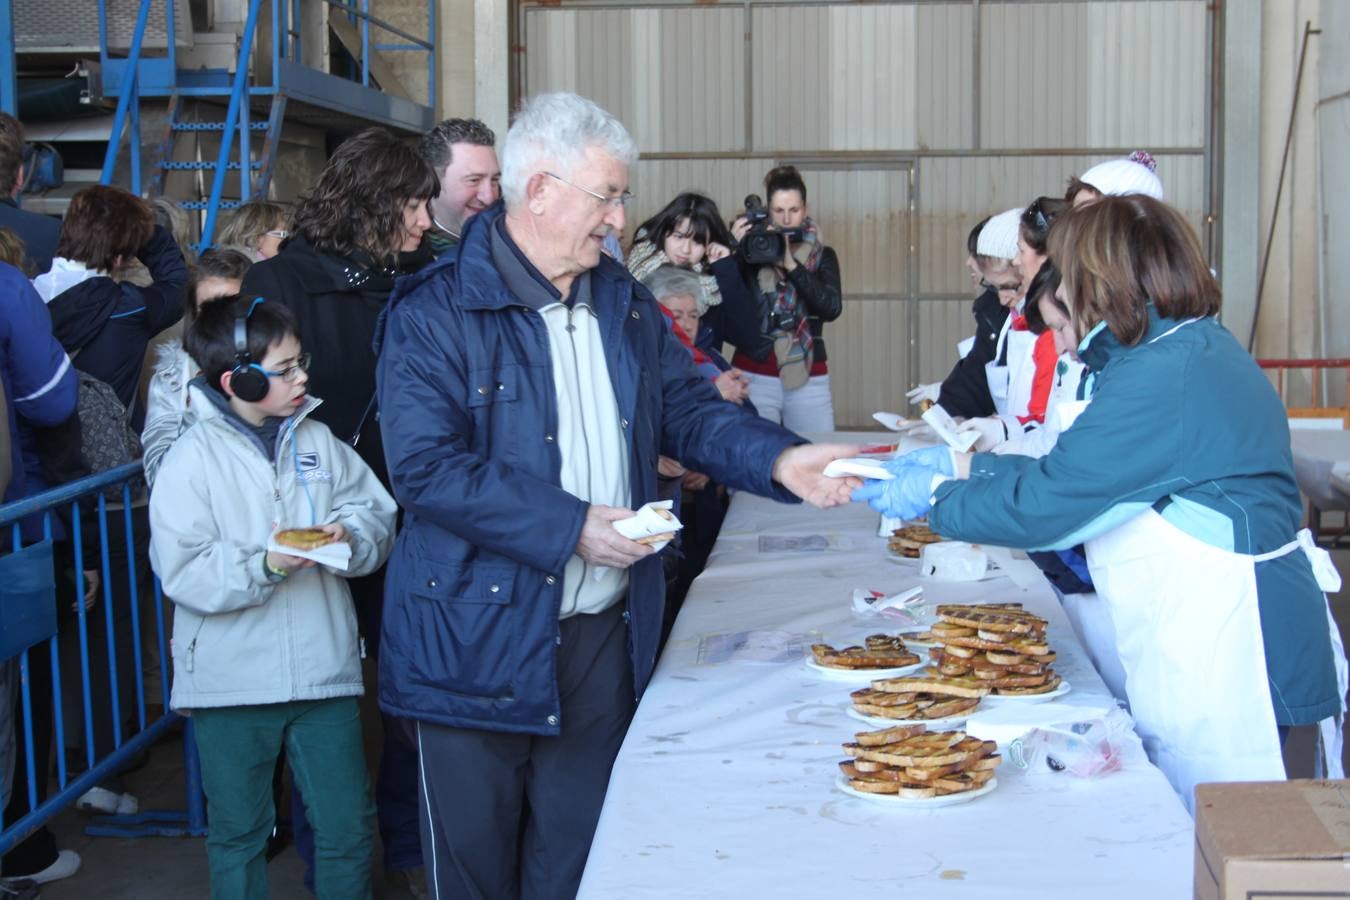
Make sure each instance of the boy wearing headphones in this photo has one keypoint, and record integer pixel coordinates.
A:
(265, 644)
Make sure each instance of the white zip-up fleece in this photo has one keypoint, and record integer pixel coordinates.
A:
(591, 442)
(240, 639)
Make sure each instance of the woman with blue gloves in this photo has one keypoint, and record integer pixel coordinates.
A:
(1179, 479)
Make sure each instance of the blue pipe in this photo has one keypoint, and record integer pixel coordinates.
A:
(237, 91)
(128, 83)
(134, 593)
(9, 90)
(84, 641)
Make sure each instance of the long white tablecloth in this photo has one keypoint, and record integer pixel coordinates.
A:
(1322, 466)
(724, 786)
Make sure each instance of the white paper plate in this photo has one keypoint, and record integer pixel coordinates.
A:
(895, 801)
(864, 676)
(995, 699)
(933, 724)
(902, 560)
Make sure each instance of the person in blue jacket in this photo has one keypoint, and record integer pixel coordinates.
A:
(527, 385)
(1179, 479)
(40, 389)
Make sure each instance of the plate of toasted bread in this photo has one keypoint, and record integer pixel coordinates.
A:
(910, 797)
(881, 655)
(912, 767)
(905, 544)
(932, 706)
(951, 721)
(1052, 690)
(998, 645)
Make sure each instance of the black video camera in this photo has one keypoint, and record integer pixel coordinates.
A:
(764, 245)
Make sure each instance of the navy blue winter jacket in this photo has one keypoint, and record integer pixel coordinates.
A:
(40, 385)
(110, 323)
(468, 412)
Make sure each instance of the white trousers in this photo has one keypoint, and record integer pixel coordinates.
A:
(805, 410)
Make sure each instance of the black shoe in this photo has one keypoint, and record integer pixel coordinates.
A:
(18, 889)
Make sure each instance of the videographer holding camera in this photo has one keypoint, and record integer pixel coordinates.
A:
(798, 282)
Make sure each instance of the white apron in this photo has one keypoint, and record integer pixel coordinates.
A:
(1010, 383)
(1188, 633)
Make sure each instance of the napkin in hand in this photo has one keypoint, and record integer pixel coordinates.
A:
(336, 555)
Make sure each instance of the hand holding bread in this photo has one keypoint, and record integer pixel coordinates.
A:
(599, 544)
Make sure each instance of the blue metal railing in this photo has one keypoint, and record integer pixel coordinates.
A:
(73, 508)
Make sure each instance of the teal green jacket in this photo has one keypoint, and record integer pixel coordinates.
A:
(1185, 423)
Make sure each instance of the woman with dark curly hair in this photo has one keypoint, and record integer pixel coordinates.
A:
(351, 236)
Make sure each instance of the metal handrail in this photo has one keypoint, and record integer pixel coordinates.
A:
(351, 9)
(87, 497)
(237, 91)
(18, 510)
(128, 87)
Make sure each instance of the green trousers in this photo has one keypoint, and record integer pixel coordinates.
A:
(238, 747)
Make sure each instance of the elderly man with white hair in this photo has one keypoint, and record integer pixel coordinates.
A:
(527, 387)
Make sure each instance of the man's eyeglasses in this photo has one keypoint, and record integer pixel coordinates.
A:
(618, 202)
(291, 373)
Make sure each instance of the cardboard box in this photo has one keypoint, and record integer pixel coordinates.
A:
(1263, 840)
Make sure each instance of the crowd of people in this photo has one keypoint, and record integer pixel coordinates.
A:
(380, 358)
(457, 373)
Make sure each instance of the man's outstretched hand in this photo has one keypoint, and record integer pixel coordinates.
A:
(799, 469)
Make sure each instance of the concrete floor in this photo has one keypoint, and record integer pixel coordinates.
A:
(175, 869)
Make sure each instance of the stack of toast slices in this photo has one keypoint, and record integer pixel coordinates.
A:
(913, 763)
(919, 697)
(881, 651)
(999, 646)
(910, 540)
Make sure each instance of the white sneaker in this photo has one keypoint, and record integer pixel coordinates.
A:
(110, 803)
(67, 864)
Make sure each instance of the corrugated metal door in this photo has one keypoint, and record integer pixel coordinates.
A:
(947, 110)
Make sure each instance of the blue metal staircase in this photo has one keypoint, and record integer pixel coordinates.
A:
(255, 110)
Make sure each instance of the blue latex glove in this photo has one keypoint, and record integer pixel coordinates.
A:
(906, 496)
(938, 458)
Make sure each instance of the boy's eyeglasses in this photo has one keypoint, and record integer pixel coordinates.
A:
(290, 373)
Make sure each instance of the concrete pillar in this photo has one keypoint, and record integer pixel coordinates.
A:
(492, 63)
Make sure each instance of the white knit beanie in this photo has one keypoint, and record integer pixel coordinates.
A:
(1134, 174)
(998, 237)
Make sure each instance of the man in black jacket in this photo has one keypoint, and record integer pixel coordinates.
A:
(38, 233)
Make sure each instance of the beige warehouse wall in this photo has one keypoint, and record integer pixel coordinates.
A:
(1291, 318)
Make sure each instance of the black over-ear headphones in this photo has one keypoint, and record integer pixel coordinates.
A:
(248, 380)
